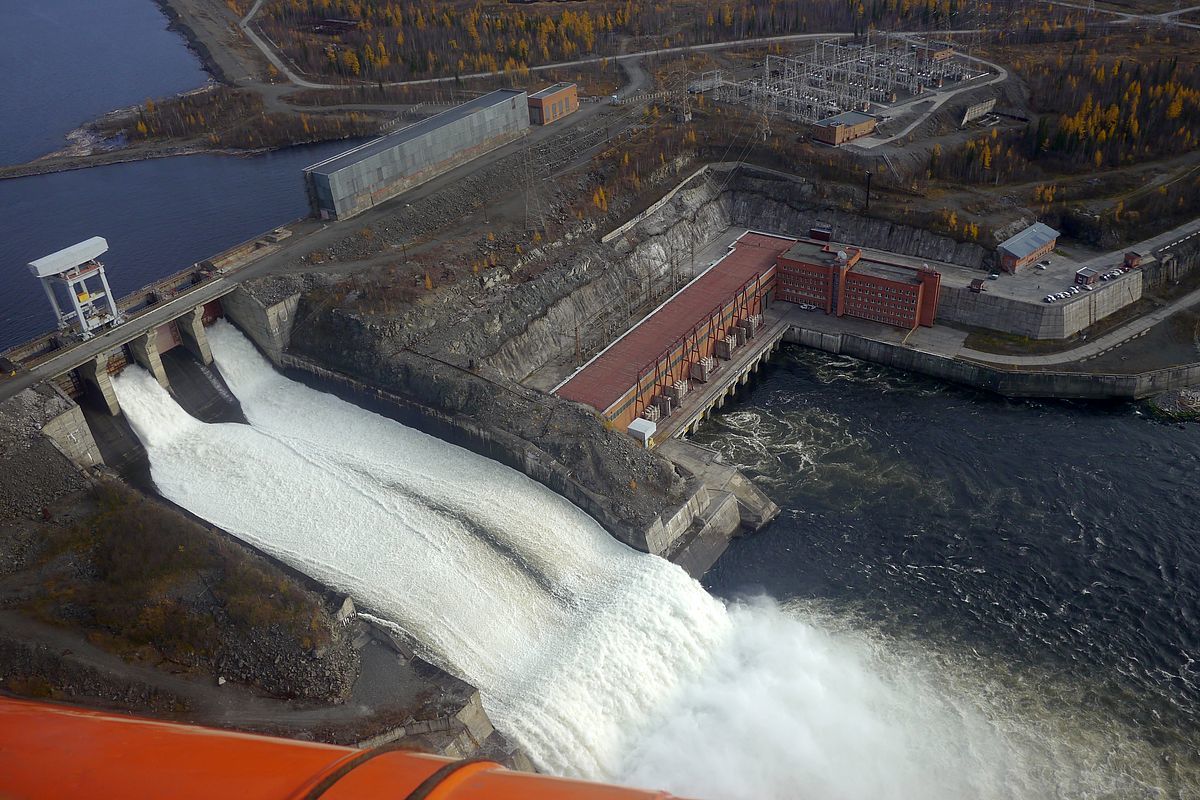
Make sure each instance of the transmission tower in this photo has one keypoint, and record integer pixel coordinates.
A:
(535, 216)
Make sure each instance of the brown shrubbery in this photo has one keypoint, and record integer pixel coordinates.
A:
(233, 118)
(153, 578)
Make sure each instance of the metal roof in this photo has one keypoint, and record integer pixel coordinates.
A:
(1029, 240)
(414, 131)
(549, 90)
(68, 257)
(845, 118)
(602, 381)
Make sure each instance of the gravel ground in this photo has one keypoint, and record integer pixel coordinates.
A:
(33, 474)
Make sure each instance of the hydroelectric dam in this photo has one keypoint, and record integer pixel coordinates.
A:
(596, 660)
(519, 565)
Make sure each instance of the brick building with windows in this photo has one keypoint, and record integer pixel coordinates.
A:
(840, 280)
(553, 103)
(1029, 245)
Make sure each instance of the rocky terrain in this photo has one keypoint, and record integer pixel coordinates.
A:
(465, 350)
(33, 474)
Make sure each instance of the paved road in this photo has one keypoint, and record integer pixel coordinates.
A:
(939, 99)
(272, 54)
(1123, 17)
(1096, 346)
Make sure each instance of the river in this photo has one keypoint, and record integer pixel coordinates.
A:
(919, 624)
(1043, 553)
(159, 216)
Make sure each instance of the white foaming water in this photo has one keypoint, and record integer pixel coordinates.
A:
(597, 660)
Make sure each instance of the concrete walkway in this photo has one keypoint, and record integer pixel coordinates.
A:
(1094, 347)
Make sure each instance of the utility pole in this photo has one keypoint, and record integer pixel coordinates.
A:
(868, 206)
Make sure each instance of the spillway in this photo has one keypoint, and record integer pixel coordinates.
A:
(598, 661)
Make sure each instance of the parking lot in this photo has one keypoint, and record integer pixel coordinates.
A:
(1033, 283)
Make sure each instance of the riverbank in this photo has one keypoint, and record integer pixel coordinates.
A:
(118, 600)
(246, 131)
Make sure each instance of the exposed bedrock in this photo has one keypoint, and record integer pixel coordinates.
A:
(778, 205)
(454, 357)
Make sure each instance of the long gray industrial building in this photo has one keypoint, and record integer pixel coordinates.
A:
(350, 183)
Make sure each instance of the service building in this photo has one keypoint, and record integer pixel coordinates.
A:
(841, 281)
(843, 128)
(1027, 246)
(350, 183)
(553, 103)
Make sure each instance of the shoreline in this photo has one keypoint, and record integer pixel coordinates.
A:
(71, 163)
(195, 44)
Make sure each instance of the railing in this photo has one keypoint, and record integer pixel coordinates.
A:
(145, 299)
(746, 302)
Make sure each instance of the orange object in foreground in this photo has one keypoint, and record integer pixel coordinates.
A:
(50, 751)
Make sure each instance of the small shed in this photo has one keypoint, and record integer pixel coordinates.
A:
(843, 128)
(553, 103)
(643, 430)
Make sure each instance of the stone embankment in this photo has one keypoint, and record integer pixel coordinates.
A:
(1179, 404)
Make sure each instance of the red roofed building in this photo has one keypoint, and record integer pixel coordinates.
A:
(627, 377)
(646, 372)
(840, 280)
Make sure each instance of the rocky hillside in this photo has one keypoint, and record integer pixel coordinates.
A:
(146, 583)
(466, 350)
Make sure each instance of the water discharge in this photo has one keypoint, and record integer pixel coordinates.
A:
(597, 660)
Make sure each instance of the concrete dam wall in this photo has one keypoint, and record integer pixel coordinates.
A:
(1010, 383)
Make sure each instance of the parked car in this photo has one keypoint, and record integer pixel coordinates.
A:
(1063, 295)
(808, 307)
(1089, 288)
(1043, 263)
(994, 276)
(1074, 290)
(1048, 298)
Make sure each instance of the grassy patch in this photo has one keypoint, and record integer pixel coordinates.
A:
(1011, 344)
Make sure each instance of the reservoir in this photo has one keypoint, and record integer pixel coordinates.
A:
(64, 62)
(159, 216)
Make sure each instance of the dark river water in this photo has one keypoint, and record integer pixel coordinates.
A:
(1050, 546)
(63, 62)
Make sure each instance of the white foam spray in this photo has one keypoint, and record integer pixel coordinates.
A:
(598, 661)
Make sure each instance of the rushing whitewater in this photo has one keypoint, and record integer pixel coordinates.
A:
(597, 660)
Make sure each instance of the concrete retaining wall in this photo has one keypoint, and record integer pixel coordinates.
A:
(268, 326)
(1039, 320)
(70, 434)
(1010, 383)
